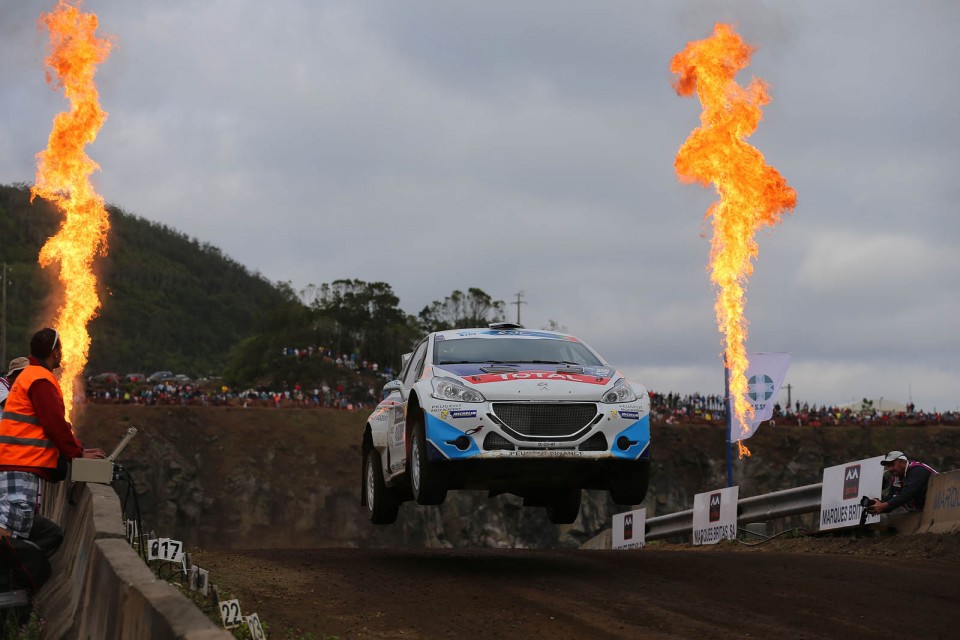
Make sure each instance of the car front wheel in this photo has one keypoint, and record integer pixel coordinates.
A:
(426, 480)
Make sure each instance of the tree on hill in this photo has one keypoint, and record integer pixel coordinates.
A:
(357, 319)
(170, 302)
(460, 310)
(367, 319)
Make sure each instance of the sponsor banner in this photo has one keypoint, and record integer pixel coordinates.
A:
(765, 374)
(513, 376)
(843, 487)
(629, 529)
(715, 516)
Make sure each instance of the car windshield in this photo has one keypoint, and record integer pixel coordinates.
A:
(514, 351)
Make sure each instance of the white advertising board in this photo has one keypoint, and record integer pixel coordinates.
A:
(629, 529)
(715, 516)
(843, 486)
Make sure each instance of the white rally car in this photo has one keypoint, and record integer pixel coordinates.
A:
(534, 413)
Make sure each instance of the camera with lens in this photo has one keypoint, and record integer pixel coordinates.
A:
(865, 503)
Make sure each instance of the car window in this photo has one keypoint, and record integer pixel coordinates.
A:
(517, 350)
(415, 365)
(406, 363)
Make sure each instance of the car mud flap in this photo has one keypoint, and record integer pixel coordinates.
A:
(446, 442)
(636, 437)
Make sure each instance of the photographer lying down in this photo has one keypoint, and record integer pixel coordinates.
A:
(908, 486)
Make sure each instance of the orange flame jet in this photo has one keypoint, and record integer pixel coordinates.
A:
(752, 194)
(63, 172)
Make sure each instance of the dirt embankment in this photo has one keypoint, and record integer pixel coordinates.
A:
(267, 478)
(271, 499)
(657, 592)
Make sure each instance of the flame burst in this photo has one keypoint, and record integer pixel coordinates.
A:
(63, 176)
(752, 194)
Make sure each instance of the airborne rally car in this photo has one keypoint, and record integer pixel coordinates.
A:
(534, 413)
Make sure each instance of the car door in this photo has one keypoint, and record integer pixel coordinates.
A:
(397, 443)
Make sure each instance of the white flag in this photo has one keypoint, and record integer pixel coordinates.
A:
(765, 374)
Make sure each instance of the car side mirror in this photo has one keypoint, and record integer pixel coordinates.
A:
(390, 387)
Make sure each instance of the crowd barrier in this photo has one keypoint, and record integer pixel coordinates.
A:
(941, 513)
(100, 587)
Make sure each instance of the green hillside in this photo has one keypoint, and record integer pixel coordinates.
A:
(169, 301)
(172, 303)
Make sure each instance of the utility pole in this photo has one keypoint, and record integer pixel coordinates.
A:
(789, 389)
(519, 302)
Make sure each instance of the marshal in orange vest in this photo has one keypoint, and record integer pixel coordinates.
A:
(22, 440)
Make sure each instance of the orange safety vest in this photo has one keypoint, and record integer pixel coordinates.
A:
(22, 440)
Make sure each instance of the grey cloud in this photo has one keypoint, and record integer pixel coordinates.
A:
(530, 147)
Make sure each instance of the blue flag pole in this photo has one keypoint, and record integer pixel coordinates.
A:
(729, 421)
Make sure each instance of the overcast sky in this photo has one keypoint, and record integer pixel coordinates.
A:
(529, 146)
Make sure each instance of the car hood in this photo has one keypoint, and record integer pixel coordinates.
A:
(533, 382)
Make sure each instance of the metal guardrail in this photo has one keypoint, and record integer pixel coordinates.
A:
(770, 506)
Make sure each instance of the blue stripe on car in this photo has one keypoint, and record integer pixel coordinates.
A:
(638, 432)
(439, 432)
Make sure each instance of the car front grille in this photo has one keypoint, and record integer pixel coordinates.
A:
(533, 420)
(596, 442)
(494, 442)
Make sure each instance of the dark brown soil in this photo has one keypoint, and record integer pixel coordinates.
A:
(810, 588)
(799, 587)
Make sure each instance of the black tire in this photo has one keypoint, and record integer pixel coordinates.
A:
(427, 482)
(382, 506)
(564, 507)
(629, 485)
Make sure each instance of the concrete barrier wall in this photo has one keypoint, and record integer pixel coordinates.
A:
(941, 510)
(100, 587)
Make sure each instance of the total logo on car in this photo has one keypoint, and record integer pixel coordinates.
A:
(537, 414)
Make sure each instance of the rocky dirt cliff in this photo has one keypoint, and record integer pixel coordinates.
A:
(233, 478)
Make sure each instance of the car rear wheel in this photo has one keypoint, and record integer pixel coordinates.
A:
(382, 506)
(564, 507)
(426, 480)
(629, 486)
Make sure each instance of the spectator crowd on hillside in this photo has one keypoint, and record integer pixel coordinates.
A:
(341, 360)
(672, 408)
(345, 396)
(356, 393)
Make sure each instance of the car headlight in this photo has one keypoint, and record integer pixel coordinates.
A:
(450, 389)
(621, 392)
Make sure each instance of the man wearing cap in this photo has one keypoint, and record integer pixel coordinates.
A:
(34, 435)
(16, 366)
(909, 486)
